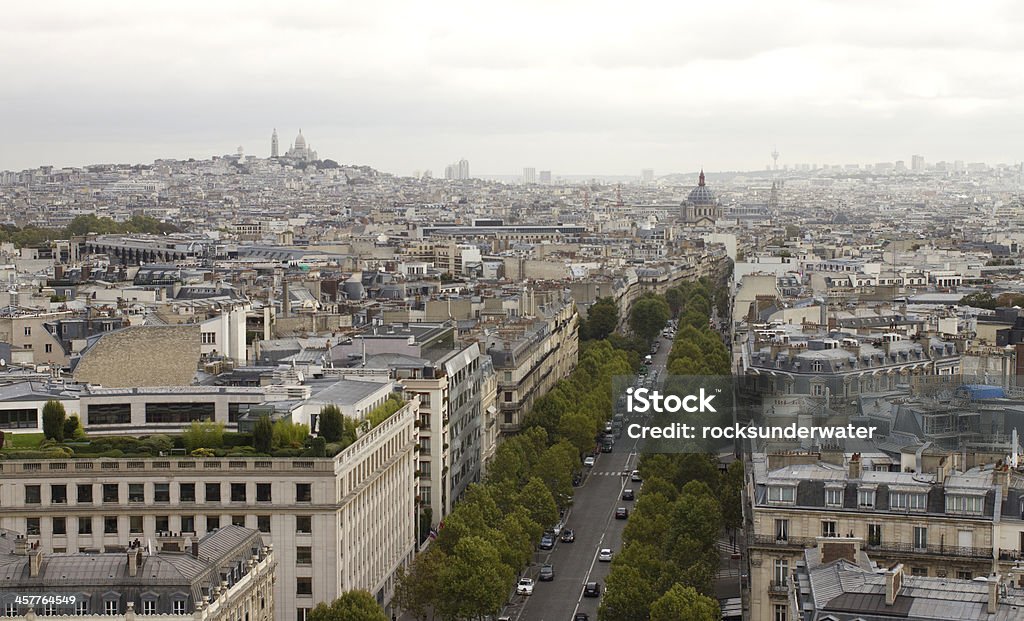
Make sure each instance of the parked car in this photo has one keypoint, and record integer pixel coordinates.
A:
(635, 476)
(593, 589)
(605, 555)
(568, 536)
(621, 513)
(581, 616)
(627, 494)
(577, 479)
(547, 542)
(525, 586)
(588, 461)
(607, 447)
(557, 528)
(547, 573)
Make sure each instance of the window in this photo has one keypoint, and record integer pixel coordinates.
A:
(303, 586)
(187, 492)
(303, 492)
(48, 348)
(178, 606)
(110, 414)
(28, 330)
(209, 338)
(238, 520)
(161, 492)
(32, 526)
(781, 613)
(782, 493)
(834, 497)
(920, 537)
(213, 492)
(816, 366)
(964, 575)
(110, 493)
(263, 523)
(188, 523)
(110, 607)
(11, 609)
(50, 610)
(920, 572)
(303, 555)
(238, 492)
(212, 522)
(25, 418)
(59, 494)
(135, 524)
(303, 523)
(780, 575)
(81, 606)
(910, 501)
(85, 526)
(508, 418)
(508, 397)
(263, 492)
(163, 524)
(85, 493)
(179, 412)
(33, 495)
(136, 492)
(866, 498)
(300, 614)
(59, 525)
(149, 606)
(958, 503)
(782, 530)
(828, 528)
(874, 534)
(110, 525)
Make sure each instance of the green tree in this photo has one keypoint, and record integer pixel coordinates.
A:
(72, 428)
(351, 606)
(674, 298)
(290, 435)
(417, 586)
(602, 319)
(579, 429)
(263, 435)
(203, 434)
(536, 498)
(474, 582)
(683, 602)
(332, 423)
(980, 299)
(53, 420)
(319, 447)
(648, 316)
(732, 496)
(628, 595)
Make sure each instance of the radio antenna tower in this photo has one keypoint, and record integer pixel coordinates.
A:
(775, 157)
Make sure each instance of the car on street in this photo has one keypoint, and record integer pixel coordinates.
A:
(627, 494)
(568, 536)
(547, 573)
(547, 542)
(525, 586)
(588, 462)
(607, 447)
(593, 589)
(605, 555)
(581, 616)
(621, 513)
(635, 476)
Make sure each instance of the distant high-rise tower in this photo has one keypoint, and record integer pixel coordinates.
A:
(529, 175)
(647, 176)
(917, 163)
(545, 177)
(463, 172)
(273, 143)
(775, 158)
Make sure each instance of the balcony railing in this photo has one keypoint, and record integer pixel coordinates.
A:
(775, 587)
(789, 542)
(908, 548)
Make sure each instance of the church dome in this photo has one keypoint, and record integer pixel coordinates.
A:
(701, 195)
(300, 141)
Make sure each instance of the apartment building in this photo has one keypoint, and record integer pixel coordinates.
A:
(338, 523)
(224, 576)
(936, 520)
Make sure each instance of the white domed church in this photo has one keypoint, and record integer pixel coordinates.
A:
(299, 150)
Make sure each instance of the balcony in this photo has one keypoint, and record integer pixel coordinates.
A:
(907, 548)
(778, 589)
(771, 541)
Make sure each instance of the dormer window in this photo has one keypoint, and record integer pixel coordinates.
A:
(816, 366)
(964, 503)
(866, 497)
(908, 501)
(782, 494)
(834, 496)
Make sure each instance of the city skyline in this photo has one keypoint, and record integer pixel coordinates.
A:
(822, 82)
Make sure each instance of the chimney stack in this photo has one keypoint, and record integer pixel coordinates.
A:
(1001, 477)
(993, 594)
(133, 562)
(21, 545)
(893, 583)
(35, 562)
(855, 466)
(195, 549)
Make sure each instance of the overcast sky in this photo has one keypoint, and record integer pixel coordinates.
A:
(571, 86)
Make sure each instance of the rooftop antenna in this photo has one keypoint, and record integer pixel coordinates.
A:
(775, 158)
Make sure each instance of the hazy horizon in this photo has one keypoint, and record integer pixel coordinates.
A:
(578, 88)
